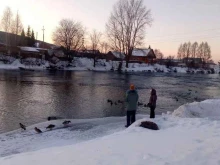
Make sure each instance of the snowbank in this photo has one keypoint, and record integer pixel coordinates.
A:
(208, 108)
(7, 62)
(179, 141)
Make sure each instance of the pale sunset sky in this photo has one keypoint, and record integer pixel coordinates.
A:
(175, 21)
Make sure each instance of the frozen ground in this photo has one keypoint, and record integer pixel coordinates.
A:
(182, 139)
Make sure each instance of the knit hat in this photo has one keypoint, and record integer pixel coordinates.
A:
(132, 87)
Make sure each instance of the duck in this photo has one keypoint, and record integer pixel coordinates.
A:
(110, 101)
(22, 126)
(66, 122)
(52, 118)
(37, 130)
(51, 126)
(139, 104)
(176, 99)
(120, 102)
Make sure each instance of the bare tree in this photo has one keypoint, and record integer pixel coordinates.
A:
(171, 57)
(104, 47)
(204, 51)
(207, 52)
(17, 26)
(200, 51)
(180, 52)
(194, 49)
(6, 22)
(95, 38)
(69, 34)
(188, 51)
(158, 54)
(127, 26)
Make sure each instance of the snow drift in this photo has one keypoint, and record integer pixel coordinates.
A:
(208, 108)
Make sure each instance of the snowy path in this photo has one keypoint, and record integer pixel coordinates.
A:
(78, 131)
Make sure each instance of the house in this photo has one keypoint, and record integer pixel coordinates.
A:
(3, 47)
(114, 56)
(57, 53)
(29, 52)
(194, 62)
(143, 55)
(90, 54)
(210, 65)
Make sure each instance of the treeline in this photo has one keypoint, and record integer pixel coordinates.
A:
(12, 24)
(195, 50)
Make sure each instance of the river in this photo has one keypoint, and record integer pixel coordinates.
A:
(30, 97)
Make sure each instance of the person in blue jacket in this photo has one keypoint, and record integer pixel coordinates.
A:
(132, 101)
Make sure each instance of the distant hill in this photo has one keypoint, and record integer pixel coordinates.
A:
(12, 40)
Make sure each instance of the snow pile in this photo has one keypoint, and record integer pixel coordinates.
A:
(7, 59)
(87, 64)
(33, 61)
(208, 108)
(181, 69)
(179, 141)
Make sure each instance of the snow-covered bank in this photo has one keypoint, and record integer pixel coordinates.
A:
(82, 64)
(206, 109)
(180, 140)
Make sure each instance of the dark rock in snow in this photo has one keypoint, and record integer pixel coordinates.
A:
(149, 125)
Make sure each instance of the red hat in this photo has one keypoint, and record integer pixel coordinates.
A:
(132, 87)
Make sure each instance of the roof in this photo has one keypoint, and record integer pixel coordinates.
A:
(118, 54)
(43, 49)
(91, 51)
(141, 52)
(196, 60)
(29, 49)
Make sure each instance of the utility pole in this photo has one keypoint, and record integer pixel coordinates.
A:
(36, 35)
(43, 33)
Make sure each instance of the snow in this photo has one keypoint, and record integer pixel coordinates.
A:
(140, 52)
(208, 108)
(29, 49)
(180, 140)
(118, 54)
(79, 64)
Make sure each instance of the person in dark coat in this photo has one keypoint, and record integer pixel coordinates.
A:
(131, 100)
(152, 103)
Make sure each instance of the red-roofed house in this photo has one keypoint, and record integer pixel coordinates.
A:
(143, 55)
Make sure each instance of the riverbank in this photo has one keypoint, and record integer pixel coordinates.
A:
(85, 64)
(189, 135)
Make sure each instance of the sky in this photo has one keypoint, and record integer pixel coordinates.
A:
(175, 21)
